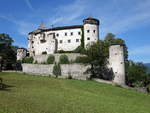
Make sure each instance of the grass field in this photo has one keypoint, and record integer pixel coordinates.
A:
(35, 94)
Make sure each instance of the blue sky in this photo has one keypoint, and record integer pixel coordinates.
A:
(127, 19)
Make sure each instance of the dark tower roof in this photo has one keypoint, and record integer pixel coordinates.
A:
(91, 20)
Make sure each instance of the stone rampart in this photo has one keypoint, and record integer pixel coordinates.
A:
(43, 58)
(76, 71)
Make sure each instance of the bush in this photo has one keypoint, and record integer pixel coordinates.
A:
(148, 88)
(1, 83)
(43, 62)
(44, 53)
(62, 51)
(27, 60)
(81, 59)
(57, 70)
(63, 59)
(50, 59)
(36, 62)
(80, 49)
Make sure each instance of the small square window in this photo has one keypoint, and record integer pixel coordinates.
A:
(88, 31)
(77, 40)
(69, 41)
(88, 38)
(94, 31)
(71, 33)
(60, 41)
(65, 34)
(79, 33)
(57, 35)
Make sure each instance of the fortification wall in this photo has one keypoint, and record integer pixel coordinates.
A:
(43, 58)
(76, 71)
(116, 60)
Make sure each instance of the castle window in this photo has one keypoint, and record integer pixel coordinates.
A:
(88, 31)
(65, 34)
(69, 41)
(60, 41)
(77, 40)
(43, 35)
(42, 41)
(79, 33)
(71, 33)
(32, 42)
(88, 38)
(94, 31)
(57, 35)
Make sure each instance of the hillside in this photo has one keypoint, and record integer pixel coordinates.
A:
(35, 94)
(148, 65)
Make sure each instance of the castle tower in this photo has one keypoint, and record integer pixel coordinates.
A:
(21, 53)
(116, 61)
(91, 30)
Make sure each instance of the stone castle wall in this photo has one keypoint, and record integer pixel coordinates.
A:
(76, 71)
(43, 58)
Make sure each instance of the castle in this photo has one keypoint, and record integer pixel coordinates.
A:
(68, 38)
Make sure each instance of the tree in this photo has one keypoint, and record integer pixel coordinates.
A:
(7, 51)
(97, 58)
(63, 59)
(57, 69)
(109, 36)
(111, 39)
(137, 75)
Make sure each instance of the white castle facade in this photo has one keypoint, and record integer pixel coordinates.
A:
(66, 38)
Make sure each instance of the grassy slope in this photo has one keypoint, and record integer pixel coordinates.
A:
(34, 94)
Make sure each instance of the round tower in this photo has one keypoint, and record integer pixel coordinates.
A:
(91, 30)
(116, 61)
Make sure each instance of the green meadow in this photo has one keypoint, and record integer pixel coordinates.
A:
(36, 94)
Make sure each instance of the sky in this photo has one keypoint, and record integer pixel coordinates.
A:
(127, 19)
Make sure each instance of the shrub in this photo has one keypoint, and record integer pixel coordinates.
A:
(36, 62)
(63, 59)
(148, 88)
(57, 70)
(80, 49)
(50, 59)
(1, 83)
(43, 62)
(62, 51)
(27, 60)
(81, 59)
(44, 53)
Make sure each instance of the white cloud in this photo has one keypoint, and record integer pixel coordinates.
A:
(117, 16)
(125, 15)
(68, 13)
(23, 27)
(140, 53)
(143, 50)
(28, 3)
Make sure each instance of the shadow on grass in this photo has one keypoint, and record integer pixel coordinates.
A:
(4, 87)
